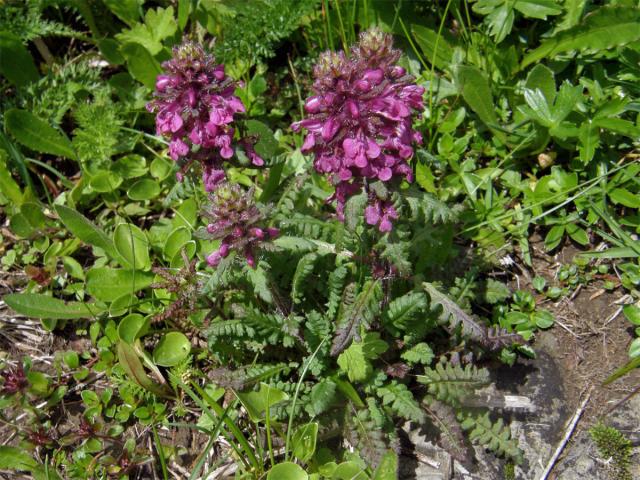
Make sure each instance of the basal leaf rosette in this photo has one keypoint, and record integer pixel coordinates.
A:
(195, 108)
(359, 127)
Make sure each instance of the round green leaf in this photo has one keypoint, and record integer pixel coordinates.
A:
(287, 471)
(172, 349)
(37, 134)
(121, 304)
(131, 327)
(190, 249)
(632, 313)
(175, 241)
(634, 348)
(132, 244)
(160, 168)
(105, 182)
(144, 189)
(130, 166)
(543, 319)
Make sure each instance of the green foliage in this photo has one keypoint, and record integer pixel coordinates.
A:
(452, 383)
(335, 331)
(253, 31)
(401, 401)
(492, 436)
(356, 310)
(98, 136)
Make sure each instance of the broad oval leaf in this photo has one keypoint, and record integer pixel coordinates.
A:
(107, 284)
(172, 349)
(144, 189)
(37, 134)
(175, 241)
(131, 327)
(287, 471)
(37, 305)
(304, 441)
(257, 403)
(105, 181)
(132, 245)
(85, 230)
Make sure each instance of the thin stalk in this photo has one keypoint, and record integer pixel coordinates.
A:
(297, 85)
(343, 33)
(327, 16)
(305, 368)
(435, 51)
(213, 416)
(163, 463)
(237, 433)
(267, 421)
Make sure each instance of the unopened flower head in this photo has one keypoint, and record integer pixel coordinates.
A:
(195, 107)
(360, 119)
(238, 222)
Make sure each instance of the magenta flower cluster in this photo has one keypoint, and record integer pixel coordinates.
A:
(236, 220)
(360, 122)
(195, 107)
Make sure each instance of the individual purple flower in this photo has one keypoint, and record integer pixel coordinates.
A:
(359, 126)
(195, 108)
(381, 213)
(237, 221)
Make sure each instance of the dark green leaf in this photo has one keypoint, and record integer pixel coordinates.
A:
(36, 134)
(16, 62)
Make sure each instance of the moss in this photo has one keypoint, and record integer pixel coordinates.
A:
(612, 444)
(510, 471)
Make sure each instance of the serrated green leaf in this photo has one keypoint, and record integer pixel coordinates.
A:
(142, 66)
(605, 28)
(16, 63)
(622, 196)
(36, 134)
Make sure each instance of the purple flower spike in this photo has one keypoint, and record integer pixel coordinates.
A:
(235, 219)
(360, 122)
(195, 107)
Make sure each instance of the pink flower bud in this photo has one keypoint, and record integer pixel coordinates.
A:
(313, 104)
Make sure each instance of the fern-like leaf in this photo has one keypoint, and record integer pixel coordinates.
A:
(366, 436)
(403, 310)
(492, 436)
(274, 328)
(354, 313)
(451, 383)
(429, 209)
(400, 400)
(451, 439)
(303, 270)
(336, 282)
(229, 330)
(455, 316)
